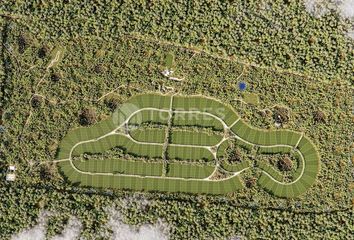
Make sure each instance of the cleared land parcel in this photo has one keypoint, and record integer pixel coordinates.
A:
(187, 140)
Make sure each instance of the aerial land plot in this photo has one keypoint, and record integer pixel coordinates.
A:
(152, 135)
(150, 116)
(189, 170)
(119, 166)
(196, 120)
(180, 147)
(195, 138)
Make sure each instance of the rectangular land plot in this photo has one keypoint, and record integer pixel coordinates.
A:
(151, 135)
(300, 165)
(188, 153)
(264, 137)
(194, 138)
(244, 144)
(196, 120)
(183, 170)
(273, 150)
(203, 104)
(111, 141)
(151, 184)
(239, 129)
(150, 116)
(120, 166)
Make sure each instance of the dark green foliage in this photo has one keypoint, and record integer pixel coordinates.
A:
(43, 52)
(262, 32)
(250, 182)
(281, 114)
(48, 171)
(319, 117)
(22, 42)
(235, 155)
(36, 101)
(87, 117)
(56, 224)
(55, 77)
(112, 101)
(285, 164)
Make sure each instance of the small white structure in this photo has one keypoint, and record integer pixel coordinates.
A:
(10, 177)
(12, 168)
(167, 72)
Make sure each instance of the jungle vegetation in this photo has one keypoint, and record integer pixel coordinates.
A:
(65, 64)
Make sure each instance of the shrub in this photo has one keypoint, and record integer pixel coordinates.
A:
(285, 164)
(250, 182)
(281, 115)
(43, 52)
(99, 68)
(235, 156)
(48, 171)
(36, 101)
(22, 42)
(87, 116)
(55, 77)
(319, 117)
(112, 101)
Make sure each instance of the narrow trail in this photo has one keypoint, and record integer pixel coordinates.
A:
(35, 90)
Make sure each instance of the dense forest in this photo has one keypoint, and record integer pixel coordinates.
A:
(60, 59)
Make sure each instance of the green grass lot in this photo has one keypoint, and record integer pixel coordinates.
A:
(196, 120)
(263, 137)
(151, 184)
(194, 138)
(119, 166)
(151, 100)
(247, 146)
(152, 135)
(300, 165)
(272, 150)
(169, 61)
(189, 170)
(150, 116)
(270, 170)
(202, 104)
(251, 98)
(221, 151)
(148, 136)
(184, 153)
(307, 179)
